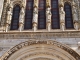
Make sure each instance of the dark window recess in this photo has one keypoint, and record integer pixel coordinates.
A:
(28, 14)
(55, 24)
(68, 16)
(42, 15)
(15, 18)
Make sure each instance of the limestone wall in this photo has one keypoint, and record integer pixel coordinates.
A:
(7, 43)
(1, 7)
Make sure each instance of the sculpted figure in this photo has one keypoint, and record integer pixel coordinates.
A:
(9, 16)
(21, 20)
(62, 26)
(62, 18)
(62, 14)
(48, 18)
(75, 16)
(21, 16)
(35, 15)
(76, 26)
(48, 14)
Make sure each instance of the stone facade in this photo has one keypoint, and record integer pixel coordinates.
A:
(10, 38)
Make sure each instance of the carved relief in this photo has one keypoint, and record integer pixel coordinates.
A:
(62, 18)
(48, 14)
(48, 42)
(75, 16)
(35, 15)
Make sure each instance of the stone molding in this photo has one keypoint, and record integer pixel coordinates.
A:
(35, 42)
(39, 35)
(42, 53)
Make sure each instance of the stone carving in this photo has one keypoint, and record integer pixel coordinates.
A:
(62, 15)
(61, 3)
(38, 35)
(62, 18)
(44, 53)
(48, 14)
(75, 15)
(48, 3)
(21, 20)
(32, 42)
(48, 18)
(36, 3)
(76, 25)
(9, 17)
(35, 18)
(9, 14)
(62, 26)
(35, 15)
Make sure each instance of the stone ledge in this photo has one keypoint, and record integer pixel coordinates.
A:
(39, 35)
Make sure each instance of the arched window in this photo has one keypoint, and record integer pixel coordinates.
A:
(42, 15)
(28, 14)
(55, 14)
(68, 16)
(15, 18)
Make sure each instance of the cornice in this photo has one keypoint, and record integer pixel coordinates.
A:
(39, 35)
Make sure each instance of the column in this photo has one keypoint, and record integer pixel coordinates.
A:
(62, 16)
(21, 19)
(75, 16)
(4, 16)
(9, 17)
(35, 15)
(48, 14)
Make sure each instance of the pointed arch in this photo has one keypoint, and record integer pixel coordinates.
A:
(68, 16)
(15, 18)
(28, 14)
(42, 15)
(55, 14)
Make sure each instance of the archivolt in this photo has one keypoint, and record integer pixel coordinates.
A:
(42, 49)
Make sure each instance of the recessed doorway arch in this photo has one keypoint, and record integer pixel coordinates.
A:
(40, 50)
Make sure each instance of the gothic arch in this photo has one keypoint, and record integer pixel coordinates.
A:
(17, 3)
(15, 18)
(40, 49)
(68, 16)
